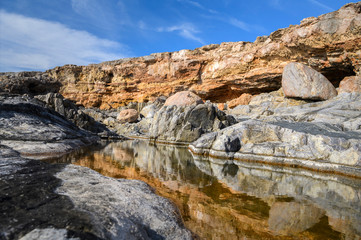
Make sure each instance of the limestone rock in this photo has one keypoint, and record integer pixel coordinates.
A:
(301, 81)
(57, 201)
(149, 111)
(33, 83)
(350, 84)
(244, 99)
(331, 44)
(187, 123)
(32, 129)
(299, 143)
(69, 110)
(184, 98)
(128, 115)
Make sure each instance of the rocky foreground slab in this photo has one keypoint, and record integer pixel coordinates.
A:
(52, 201)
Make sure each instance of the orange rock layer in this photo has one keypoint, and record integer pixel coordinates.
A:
(330, 44)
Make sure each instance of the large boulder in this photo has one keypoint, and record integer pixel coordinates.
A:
(301, 81)
(186, 124)
(350, 84)
(184, 98)
(128, 115)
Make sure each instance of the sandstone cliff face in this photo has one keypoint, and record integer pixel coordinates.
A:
(330, 44)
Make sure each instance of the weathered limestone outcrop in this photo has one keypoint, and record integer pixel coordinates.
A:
(70, 111)
(331, 44)
(187, 123)
(30, 128)
(314, 136)
(52, 201)
(34, 83)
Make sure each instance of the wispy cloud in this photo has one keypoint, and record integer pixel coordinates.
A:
(198, 5)
(185, 30)
(245, 26)
(100, 13)
(328, 8)
(35, 44)
(239, 24)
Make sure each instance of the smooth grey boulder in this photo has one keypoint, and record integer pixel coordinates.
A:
(301, 81)
(187, 123)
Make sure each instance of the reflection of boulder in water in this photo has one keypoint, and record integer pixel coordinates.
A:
(288, 218)
(339, 197)
(122, 155)
(230, 169)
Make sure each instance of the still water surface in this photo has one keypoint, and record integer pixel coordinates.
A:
(221, 199)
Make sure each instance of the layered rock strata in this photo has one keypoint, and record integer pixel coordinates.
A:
(322, 136)
(220, 72)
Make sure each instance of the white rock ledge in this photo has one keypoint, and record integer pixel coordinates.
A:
(314, 146)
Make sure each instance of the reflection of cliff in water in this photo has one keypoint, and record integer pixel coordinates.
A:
(230, 200)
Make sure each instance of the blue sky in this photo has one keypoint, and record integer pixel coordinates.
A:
(42, 34)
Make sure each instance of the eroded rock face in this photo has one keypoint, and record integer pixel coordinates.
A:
(301, 81)
(71, 112)
(330, 44)
(350, 84)
(28, 83)
(30, 128)
(186, 124)
(313, 135)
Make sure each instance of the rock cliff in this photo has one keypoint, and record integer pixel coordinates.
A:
(331, 44)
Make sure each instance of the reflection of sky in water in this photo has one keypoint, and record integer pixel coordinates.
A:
(222, 199)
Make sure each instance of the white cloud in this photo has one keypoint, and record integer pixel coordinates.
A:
(246, 26)
(186, 30)
(322, 5)
(35, 44)
(240, 24)
(198, 5)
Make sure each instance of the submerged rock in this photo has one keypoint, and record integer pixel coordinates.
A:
(301, 81)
